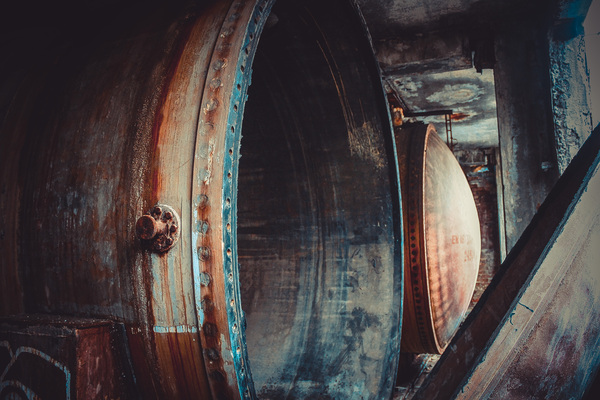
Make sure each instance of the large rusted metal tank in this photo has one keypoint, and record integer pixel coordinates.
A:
(268, 265)
(442, 239)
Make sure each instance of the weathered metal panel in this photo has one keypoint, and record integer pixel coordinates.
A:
(536, 331)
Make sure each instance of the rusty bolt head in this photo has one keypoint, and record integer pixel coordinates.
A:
(146, 227)
(204, 253)
(202, 201)
(158, 229)
(210, 329)
(205, 279)
(212, 354)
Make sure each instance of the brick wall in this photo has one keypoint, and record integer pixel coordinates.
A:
(479, 167)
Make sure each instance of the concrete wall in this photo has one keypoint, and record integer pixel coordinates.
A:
(525, 123)
(571, 94)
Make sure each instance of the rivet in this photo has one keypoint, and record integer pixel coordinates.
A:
(227, 32)
(211, 105)
(207, 305)
(204, 279)
(202, 201)
(215, 83)
(203, 253)
(203, 227)
(173, 228)
(157, 210)
(219, 64)
(168, 215)
(212, 354)
(210, 329)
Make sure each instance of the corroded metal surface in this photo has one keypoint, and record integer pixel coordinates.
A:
(443, 244)
(535, 332)
(151, 113)
(109, 133)
(319, 261)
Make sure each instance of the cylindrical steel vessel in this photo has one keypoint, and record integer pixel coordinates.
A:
(442, 239)
(285, 278)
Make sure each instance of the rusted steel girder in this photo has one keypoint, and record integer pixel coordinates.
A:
(536, 329)
(151, 113)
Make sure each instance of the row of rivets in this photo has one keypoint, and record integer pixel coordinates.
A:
(204, 252)
(235, 332)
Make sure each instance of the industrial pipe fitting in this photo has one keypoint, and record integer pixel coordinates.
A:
(158, 229)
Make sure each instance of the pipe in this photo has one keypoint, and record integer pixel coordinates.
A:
(285, 277)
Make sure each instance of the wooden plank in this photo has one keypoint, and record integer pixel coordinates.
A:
(536, 330)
